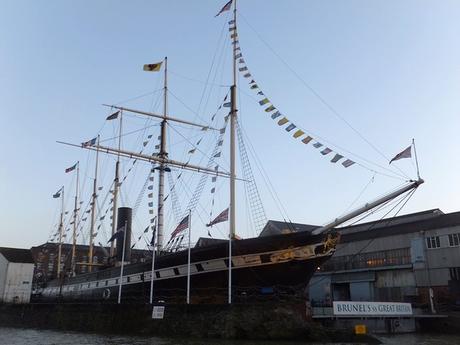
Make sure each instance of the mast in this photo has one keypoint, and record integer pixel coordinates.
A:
(233, 111)
(163, 154)
(93, 212)
(232, 134)
(61, 227)
(75, 213)
(116, 185)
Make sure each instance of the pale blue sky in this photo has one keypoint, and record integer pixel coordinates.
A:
(390, 68)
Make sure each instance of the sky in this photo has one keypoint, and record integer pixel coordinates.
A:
(389, 70)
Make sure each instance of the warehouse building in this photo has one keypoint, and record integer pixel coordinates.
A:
(403, 259)
(16, 275)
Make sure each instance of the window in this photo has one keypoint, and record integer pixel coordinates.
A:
(433, 242)
(454, 273)
(391, 257)
(51, 262)
(454, 240)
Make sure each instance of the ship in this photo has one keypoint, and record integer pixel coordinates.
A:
(229, 270)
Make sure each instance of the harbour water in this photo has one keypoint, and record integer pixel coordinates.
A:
(19, 336)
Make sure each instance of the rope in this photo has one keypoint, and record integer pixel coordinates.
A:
(318, 96)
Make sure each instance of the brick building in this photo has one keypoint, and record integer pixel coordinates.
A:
(46, 259)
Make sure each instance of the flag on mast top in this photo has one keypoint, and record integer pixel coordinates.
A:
(153, 67)
(226, 7)
(72, 168)
(57, 194)
(113, 116)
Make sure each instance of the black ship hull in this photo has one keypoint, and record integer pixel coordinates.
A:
(261, 267)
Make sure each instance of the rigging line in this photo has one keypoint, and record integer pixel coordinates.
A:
(189, 108)
(211, 159)
(176, 206)
(360, 194)
(409, 195)
(260, 217)
(137, 97)
(317, 95)
(395, 174)
(255, 202)
(221, 62)
(377, 209)
(129, 133)
(266, 179)
(210, 89)
(197, 80)
(104, 232)
(211, 68)
(200, 205)
(213, 80)
(155, 103)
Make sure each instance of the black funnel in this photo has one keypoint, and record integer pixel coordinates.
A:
(124, 217)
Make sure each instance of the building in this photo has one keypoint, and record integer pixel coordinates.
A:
(16, 275)
(397, 259)
(46, 259)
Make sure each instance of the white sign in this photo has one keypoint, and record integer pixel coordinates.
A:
(371, 308)
(158, 312)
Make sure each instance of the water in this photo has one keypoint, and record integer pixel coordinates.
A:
(17, 336)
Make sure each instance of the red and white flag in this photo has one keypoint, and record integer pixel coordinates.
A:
(407, 153)
(184, 224)
(225, 8)
(222, 217)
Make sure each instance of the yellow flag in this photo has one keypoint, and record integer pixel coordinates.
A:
(283, 121)
(298, 133)
(153, 67)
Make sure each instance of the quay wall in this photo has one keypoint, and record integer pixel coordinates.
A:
(239, 321)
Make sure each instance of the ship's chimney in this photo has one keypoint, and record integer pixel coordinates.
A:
(124, 216)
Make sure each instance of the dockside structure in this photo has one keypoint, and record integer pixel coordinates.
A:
(396, 259)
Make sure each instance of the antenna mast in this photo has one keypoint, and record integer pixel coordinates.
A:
(162, 167)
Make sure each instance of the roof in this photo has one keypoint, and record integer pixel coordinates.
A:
(412, 222)
(424, 224)
(204, 241)
(276, 227)
(17, 255)
(81, 247)
(385, 223)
